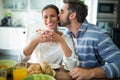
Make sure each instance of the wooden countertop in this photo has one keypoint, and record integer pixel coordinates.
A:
(62, 74)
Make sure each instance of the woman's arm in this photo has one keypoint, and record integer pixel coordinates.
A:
(39, 37)
(66, 50)
(30, 47)
(57, 37)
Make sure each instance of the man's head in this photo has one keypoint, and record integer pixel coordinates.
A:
(72, 9)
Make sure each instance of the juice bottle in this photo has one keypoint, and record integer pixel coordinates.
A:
(3, 78)
(3, 74)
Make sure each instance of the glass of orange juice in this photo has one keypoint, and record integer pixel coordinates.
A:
(3, 74)
(20, 71)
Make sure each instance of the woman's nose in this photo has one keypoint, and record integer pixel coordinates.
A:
(59, 15)
(49, 19)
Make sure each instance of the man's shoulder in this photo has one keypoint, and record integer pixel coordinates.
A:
(96, 28)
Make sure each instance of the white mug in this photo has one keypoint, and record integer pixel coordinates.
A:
(70, 63)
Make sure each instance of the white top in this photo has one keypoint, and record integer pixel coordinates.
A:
(75, 44)
(49, 51)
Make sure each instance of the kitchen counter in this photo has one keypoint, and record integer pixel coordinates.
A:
(9, 54)
(12, 38)
(9, 57)
(62, 74)
(12, 26)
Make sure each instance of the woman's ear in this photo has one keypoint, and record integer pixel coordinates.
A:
(73, 15)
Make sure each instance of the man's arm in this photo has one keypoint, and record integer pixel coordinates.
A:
(82, 73)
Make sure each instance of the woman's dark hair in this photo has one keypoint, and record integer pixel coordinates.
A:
(51, 6)
(79, 7)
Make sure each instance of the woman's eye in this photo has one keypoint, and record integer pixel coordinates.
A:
(45, 17)
(53, 15)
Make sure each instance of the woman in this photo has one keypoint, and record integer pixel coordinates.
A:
(50, 44)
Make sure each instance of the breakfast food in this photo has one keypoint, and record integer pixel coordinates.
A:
(46, 68)
(34, 69)
(3, 67)
(43, 67)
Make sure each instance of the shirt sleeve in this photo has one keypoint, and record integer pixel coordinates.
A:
(111, 55)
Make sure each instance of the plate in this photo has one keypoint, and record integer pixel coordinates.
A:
(7, 65)
(55, 66)
(66, 68)
(54, 73)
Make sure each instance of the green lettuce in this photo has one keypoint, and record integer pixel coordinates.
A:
(39, 77)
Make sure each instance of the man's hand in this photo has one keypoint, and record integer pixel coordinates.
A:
(81, 73)
(85, 73)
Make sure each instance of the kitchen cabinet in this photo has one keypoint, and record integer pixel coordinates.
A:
(15, 4)
(39, 4)
(8, 4)
(118, 15)
(12, 38)
(29, 4)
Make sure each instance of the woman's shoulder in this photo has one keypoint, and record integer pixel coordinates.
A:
(65, 35)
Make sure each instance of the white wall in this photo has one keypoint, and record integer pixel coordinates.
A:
(92, 10)
(27, 17)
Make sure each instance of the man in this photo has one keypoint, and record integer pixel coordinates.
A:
(99, 57)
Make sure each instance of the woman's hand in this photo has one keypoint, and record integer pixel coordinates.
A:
(48, 36)
(54, 37)
(43, 36)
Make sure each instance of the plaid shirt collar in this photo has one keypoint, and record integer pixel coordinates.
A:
(82, 28)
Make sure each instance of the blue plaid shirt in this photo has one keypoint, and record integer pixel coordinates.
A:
(94, 47)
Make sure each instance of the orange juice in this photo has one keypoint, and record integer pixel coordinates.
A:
(19, 73)
(3, 78)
